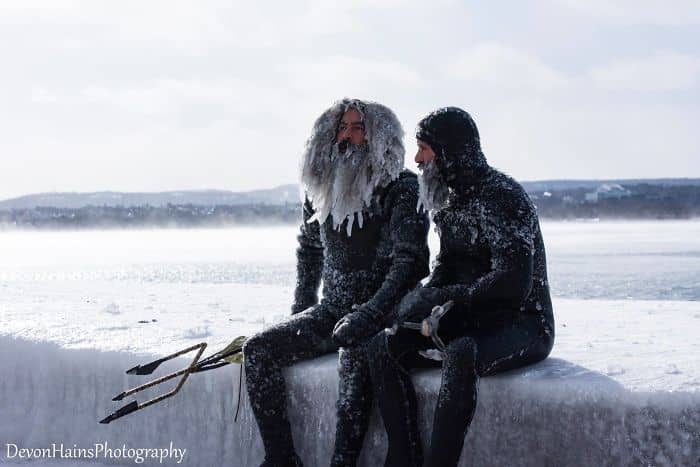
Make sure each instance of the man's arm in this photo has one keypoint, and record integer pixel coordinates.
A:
(309, 261)
(410, 255)
(439, 273)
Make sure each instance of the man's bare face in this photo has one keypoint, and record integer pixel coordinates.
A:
(351, 129)
(424, 155)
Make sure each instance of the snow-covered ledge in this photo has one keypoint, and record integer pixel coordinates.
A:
(622, 387)
(554, 413)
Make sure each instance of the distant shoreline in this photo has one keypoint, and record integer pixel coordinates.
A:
(559, 200)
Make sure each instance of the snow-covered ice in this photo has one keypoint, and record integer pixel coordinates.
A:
(643, 345)
(622, 386)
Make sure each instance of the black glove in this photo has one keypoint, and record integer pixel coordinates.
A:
(361, 323)
(418, 303)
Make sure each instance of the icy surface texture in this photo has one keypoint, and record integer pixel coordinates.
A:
(554, 413)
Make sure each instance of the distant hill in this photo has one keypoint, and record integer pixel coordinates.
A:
(273, 196)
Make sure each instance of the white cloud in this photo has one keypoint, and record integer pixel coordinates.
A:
(352, 72)
(41, 95)
(316, 83)
(659, 72)
(586, 137)
(504, 67)
(195, 27)
(638, 12)
(166, 96)
(172, 94)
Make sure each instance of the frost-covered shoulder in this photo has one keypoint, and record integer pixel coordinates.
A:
(407, 180)
(503, 196)
(509, 215)
(402, 190)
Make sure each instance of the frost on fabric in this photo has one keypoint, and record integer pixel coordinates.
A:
(490, 227)
(379, 263)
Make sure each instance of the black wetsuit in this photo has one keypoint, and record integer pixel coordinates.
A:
(373, 268)
(492, 264)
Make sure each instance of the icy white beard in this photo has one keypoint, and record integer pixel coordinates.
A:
(432, 189)
(341, 186)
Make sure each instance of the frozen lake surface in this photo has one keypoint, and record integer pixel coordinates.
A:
(607, 260)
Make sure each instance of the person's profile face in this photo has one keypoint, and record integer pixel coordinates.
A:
(425, 153)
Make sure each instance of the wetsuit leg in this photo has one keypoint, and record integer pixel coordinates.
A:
(522, 342)
(456, 402)
(391, 358)
(302, 336)
(353, 407)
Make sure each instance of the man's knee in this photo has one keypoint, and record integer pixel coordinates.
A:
(257, 349)
(543, 347)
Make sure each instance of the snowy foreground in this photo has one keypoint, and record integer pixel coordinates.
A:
(622, 387)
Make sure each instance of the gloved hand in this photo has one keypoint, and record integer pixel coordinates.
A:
(417, 304)
(364, 321)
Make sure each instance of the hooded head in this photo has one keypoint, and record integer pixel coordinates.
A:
(341, 177)
(453, 136)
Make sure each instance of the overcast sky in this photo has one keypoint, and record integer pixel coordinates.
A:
(164, 95)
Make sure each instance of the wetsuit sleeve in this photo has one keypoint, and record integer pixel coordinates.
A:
(439, 275)
(409, 254)
(509, 226)
(309, 261)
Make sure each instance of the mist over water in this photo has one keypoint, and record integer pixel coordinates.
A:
(610, 260)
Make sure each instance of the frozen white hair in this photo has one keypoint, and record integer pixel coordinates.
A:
(343, 185)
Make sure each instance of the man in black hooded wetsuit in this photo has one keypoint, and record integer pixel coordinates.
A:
(492, 265)
(362, 235)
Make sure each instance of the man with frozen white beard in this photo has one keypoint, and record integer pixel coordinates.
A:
(360, 234)
(491, 265)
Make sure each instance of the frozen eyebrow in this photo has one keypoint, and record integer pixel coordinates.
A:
(351, 124)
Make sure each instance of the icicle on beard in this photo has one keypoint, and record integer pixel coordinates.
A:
(432, 188)
(341, 186)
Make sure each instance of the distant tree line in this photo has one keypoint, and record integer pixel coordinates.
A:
(171, 215)
(642, 201)
(639, 201)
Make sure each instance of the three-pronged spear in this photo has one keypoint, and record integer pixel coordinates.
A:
(232, 353)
